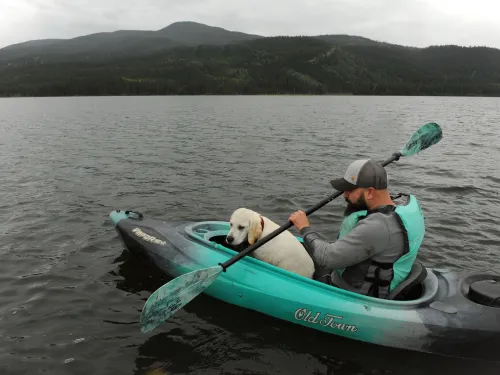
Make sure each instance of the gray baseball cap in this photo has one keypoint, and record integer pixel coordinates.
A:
(362, 173)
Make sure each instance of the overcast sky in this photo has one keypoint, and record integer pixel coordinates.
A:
(408, 22)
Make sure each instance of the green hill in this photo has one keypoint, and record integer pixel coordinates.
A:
(122, 43)
(127, 43)
(192, 33)
(191, 58)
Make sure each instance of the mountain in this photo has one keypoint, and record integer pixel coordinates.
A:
(274, 65)
(266, 65)
(191, 58)
(97, 46)
(193, 33)
(128, 43)
(122, 43)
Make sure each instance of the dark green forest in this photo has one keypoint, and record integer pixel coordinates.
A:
(213, 61)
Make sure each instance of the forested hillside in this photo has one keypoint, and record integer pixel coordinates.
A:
(190, 58)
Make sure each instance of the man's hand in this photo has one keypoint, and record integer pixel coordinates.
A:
(299, 219)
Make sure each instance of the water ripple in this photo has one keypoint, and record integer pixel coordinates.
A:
(71, 297)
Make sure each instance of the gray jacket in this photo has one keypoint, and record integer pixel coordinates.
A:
(379, 237)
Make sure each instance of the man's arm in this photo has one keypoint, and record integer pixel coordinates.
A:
(369, 237)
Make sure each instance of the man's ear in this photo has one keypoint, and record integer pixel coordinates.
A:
(370, 193)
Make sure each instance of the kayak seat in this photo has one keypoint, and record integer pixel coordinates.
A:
(411, 288)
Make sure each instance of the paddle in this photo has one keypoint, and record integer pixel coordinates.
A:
(172, 296)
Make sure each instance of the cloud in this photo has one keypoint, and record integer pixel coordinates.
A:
(409, 22)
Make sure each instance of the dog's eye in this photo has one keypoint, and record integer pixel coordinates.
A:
(241, 227)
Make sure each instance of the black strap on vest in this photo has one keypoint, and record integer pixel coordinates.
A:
(376, 281)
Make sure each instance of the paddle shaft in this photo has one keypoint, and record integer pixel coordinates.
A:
(289, 224)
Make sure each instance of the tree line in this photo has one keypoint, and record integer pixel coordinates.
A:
(277, 65)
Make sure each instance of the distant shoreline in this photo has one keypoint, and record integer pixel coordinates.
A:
(193, 59)
(253, 95)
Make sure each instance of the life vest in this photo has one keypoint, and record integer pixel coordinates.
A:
(411, 219)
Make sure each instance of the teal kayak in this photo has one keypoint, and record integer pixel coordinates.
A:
(450, 313)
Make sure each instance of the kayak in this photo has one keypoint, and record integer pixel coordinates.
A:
(445, 312)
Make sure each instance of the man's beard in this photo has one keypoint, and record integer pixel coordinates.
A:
(359, 205)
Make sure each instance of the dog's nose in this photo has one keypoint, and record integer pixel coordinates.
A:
(229, 239)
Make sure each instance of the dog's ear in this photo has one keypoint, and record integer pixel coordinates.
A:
(254, 231)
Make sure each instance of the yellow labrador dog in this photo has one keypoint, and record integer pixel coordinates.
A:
(283, 251)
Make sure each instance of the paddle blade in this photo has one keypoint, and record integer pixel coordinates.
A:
(172, 296)
(428, 135)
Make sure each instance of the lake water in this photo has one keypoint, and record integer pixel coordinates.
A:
(71, 296)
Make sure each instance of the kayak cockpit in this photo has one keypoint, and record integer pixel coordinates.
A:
(419, 287)
(438, 289)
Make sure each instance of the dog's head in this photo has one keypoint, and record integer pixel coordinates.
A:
(246, 227)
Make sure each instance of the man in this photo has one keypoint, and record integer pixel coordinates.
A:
(378, 240)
